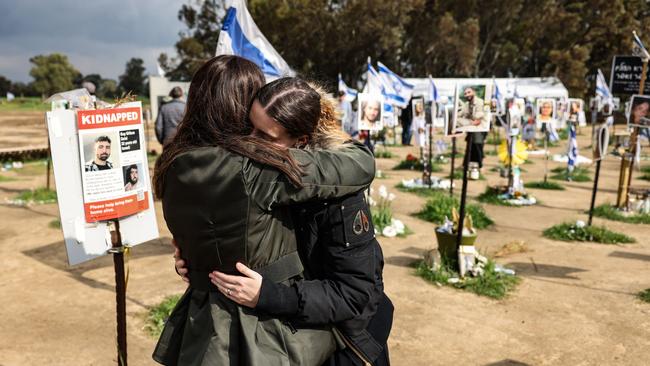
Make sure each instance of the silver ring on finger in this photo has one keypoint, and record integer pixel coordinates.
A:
(228, 291)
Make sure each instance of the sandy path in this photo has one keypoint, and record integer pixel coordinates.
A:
(575, 306)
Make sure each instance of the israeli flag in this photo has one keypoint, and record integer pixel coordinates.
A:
(396, 88)
(498, 97)
(433, 91)
(573, 147)
(240, 36)
(10, 96)
(350, 94)
(642, 51)
(602, 90)
(373, 83)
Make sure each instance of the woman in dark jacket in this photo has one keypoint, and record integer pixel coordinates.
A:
(222, 192)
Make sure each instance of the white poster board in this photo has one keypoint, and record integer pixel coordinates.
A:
(87, 240)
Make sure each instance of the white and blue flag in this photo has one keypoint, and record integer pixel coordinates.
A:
(498, 97)
(641, 50)
(10, 96)
(350, 93)
(602, 90)
(433, 91)
(573, 147)
(373, 83)
(397, 90)
(240, 36)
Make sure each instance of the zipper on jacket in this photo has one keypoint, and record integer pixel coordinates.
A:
(354, 349)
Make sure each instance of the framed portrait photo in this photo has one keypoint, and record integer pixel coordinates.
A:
(369, 114)
(472, 107)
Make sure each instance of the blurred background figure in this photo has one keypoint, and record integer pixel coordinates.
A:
(169, 116)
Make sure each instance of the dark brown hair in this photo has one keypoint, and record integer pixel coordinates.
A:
(293, 104)
(218, 101)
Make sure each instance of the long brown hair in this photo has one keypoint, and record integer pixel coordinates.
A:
(219, 98)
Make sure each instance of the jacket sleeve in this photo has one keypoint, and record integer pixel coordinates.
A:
(328, 174)
(350, 290)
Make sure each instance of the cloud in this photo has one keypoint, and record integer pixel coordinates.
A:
(98, 36)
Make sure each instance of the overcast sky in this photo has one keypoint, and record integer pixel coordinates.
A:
(98, 36)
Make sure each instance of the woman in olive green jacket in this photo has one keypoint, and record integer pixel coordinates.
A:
(223, 194)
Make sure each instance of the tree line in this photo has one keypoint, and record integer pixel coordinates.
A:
(569, 39)
(54, 73)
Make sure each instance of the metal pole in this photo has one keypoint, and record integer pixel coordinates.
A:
(545, 154)
(463, 195)
(49, 163)
(453, 159)
(430, 152)
(593, 193)
(120, 292)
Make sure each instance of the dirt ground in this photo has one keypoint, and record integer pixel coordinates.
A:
(576, 303)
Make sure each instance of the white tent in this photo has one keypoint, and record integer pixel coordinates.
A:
(550, 87)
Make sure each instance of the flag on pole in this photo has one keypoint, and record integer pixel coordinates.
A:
(433, 91)
(350, 93)
(396, 88)
(240, 36)
(573, 147)
(641, 50)
(498, 97)
(373, 83)
(602, 90)
(161, 72)
(10, 96)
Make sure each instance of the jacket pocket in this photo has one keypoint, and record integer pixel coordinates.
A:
(351, 224)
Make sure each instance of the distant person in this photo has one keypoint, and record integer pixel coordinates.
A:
(347, 115)
(102, 153)
(169, 116)
(132, 178)
(407, 121)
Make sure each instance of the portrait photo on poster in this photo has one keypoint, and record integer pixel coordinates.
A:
(471, 108)
(134, 177)
(101, 151)
(576, 112)
(639, 115)
(370, 111)
(515, 113)
(545, 111)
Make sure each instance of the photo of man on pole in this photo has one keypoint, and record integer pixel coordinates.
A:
(101, 154)
(472, 114)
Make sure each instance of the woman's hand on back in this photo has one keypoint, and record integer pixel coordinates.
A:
(179, 263)
(244, 290)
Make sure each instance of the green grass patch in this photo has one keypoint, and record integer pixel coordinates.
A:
(440, 204)
(384, 154)
(491, 196)
(159, 314)
(545, 185)
(491, 152)
(422, 192)
(610, 212)
(529, 162)
(6, 179)
(578, 175)
(493, 139)
(492, 284)
(24, 105)
(416, 165)
(644, 295)
(597, 234)
(458, 174)
(448, 154)
(54, 224)
(39, 195)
